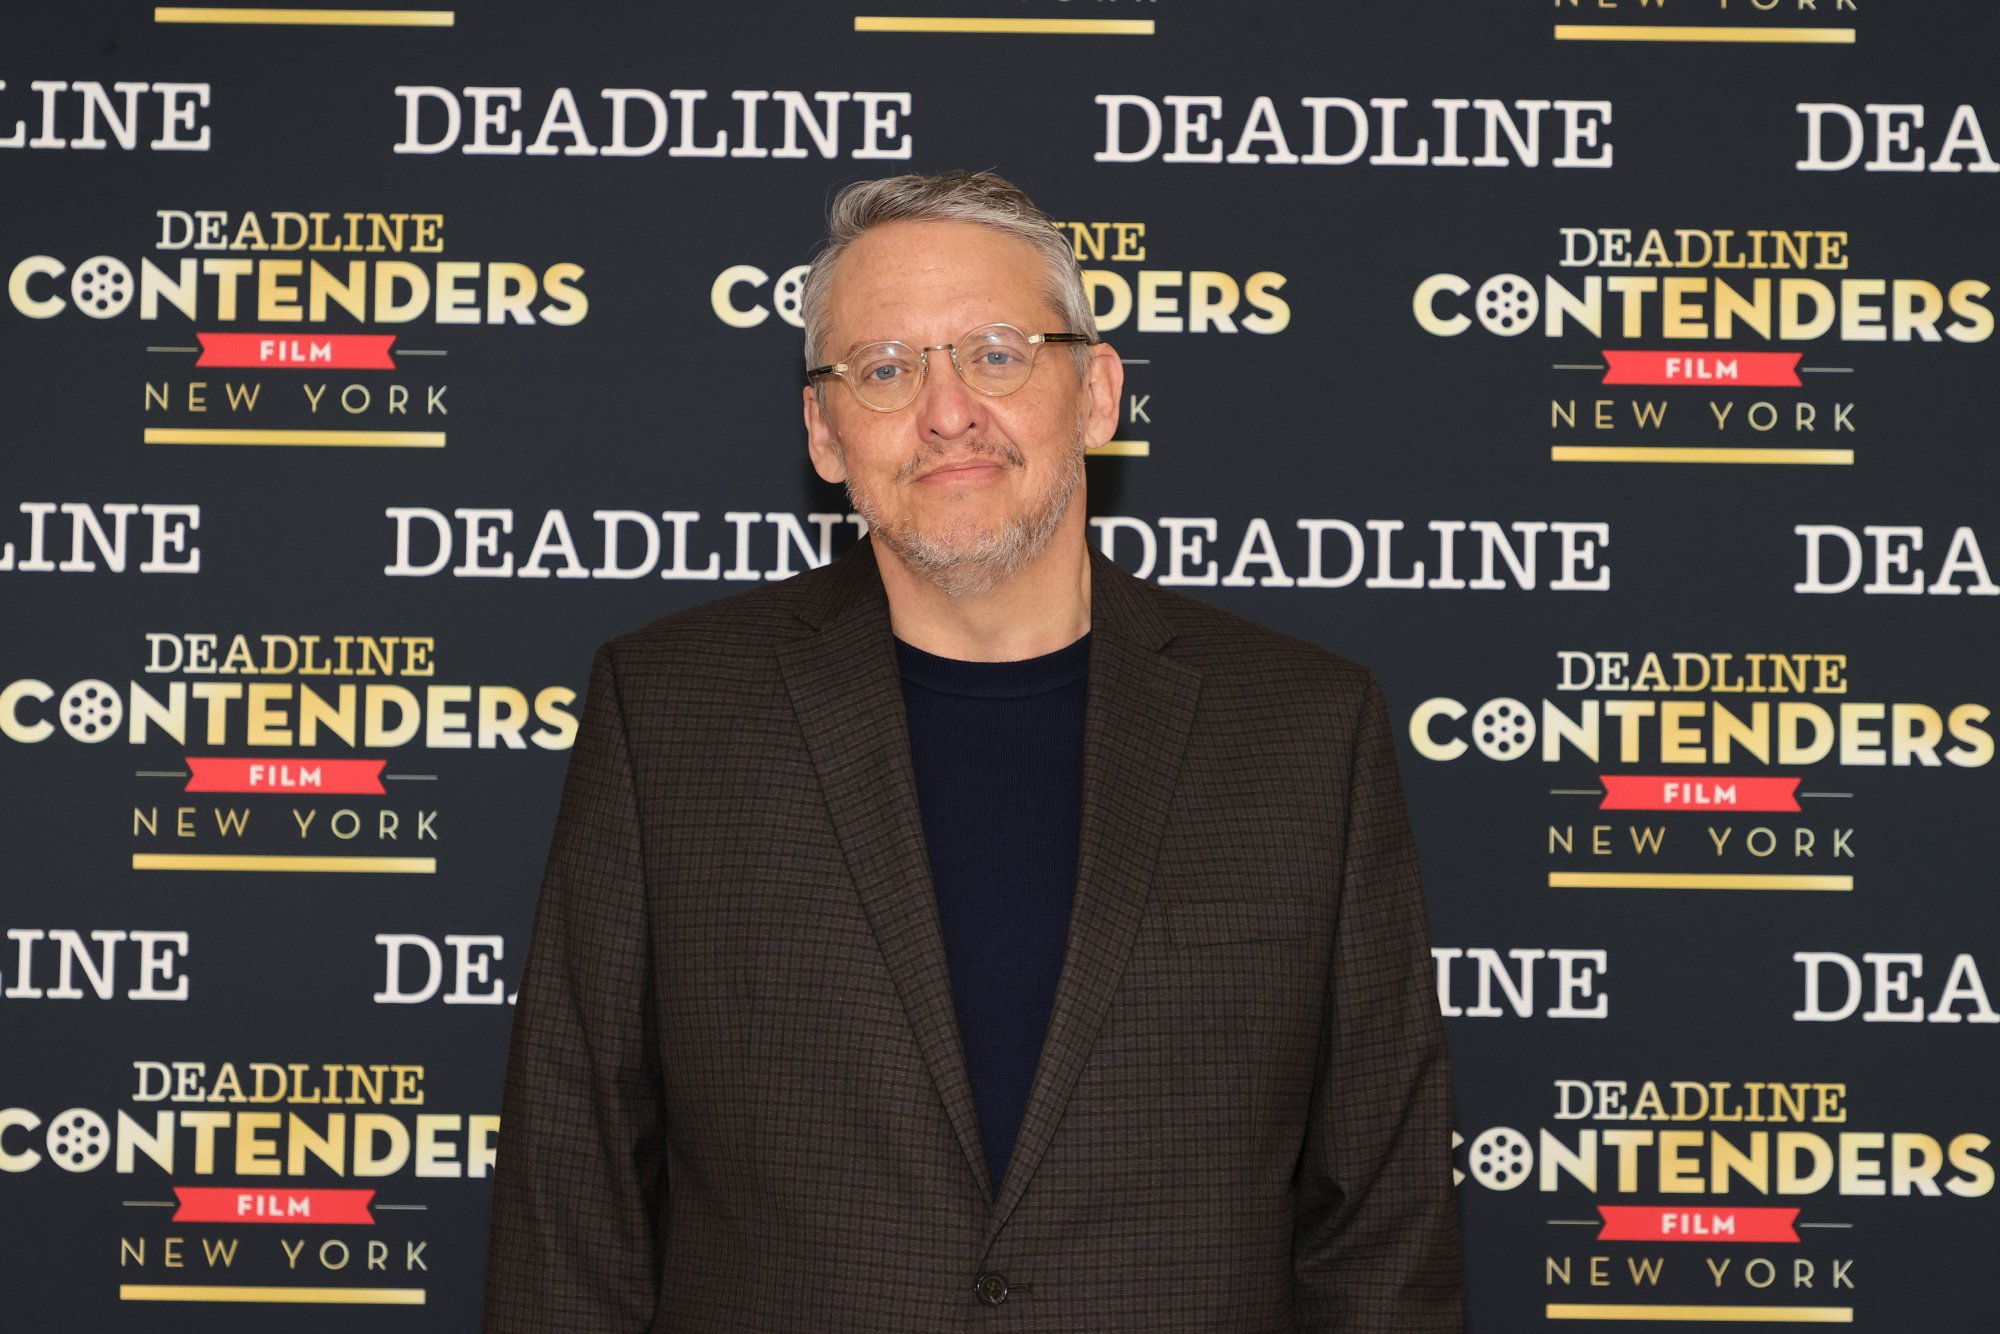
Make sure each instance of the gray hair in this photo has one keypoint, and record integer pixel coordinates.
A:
(955, 196)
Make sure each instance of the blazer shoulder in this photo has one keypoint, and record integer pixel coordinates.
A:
(743, 625)
(1231, 647)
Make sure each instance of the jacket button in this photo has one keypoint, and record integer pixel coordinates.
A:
(992, 1289)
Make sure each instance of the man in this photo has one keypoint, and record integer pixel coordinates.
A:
(966, 935)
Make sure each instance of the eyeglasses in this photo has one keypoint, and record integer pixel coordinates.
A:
(994, 360)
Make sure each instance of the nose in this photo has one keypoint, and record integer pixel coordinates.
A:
(946, 410)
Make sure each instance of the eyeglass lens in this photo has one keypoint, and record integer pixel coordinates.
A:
(993, 360)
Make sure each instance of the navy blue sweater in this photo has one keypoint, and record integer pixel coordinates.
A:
(998, 752)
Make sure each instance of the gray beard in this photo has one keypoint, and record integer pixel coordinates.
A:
(966, 565)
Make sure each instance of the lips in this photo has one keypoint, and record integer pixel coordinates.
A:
(970, 465)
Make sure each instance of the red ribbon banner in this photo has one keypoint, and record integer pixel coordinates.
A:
(1654, 1222)
(1697, 792)
(1725, 369)
(297, 352)
(264, 1204)
(216, 773)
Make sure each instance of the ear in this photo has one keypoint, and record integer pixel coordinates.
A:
(821, 442)
(1104, 385)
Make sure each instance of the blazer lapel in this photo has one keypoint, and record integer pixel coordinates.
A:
(1138, 710)
(845, 687)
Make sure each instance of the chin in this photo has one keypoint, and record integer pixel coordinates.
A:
(962, 542)
(976, 542)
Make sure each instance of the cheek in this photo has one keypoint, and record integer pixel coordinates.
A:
(1046, 429)
(872, 462)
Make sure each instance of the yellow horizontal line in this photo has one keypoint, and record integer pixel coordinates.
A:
(1662, 32)
(246, 861)
(201, 435)
(1766, 1315)
(1692, 880)
(220, 1292)
(1131, 449)
(344, 18)
(1044, 27)
(1693, 454)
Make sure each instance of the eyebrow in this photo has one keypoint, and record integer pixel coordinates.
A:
(864, 342)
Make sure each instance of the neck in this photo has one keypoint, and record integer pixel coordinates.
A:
(1045, 606)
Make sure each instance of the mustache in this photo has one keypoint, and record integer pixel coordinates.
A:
(994, 449)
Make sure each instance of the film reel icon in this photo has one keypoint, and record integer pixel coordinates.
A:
(91, 711)
(78, 1140)
(102, 287)
(1501, 1158)
(1503, 729)
(1507, 304)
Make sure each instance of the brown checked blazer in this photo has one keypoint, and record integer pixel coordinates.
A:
(736, 1099)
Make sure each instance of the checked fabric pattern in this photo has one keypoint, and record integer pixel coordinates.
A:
(736, 1100)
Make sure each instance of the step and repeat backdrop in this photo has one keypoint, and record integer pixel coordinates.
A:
(1613, 378)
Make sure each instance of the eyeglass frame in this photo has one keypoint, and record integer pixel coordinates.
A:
(923, 352)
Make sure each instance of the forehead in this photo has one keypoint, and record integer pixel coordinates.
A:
(933, 281)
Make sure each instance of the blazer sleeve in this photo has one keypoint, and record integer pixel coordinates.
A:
(1376, 1246)
(580, 1182)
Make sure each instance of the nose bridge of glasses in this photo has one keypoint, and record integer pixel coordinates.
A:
(924, 360)
(924, 377)
(951, 391)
